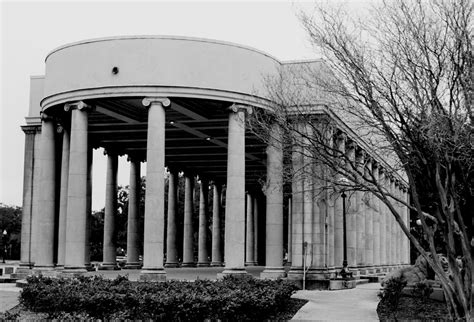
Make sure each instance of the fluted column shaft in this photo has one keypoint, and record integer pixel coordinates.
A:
(109, 246)
(393, 238)
(360, 221)
(133, 215)
(368, 215)
(235, 195)
(376, 219)
(297, 210)
(255, 229)
(249, 236)
(383, 220)
(63, 199)
(155, 191)
(188, 232)
(216, 226)
(351, 205)
(77, 203)
(338, 228)
(28, 193)
(171, 246)
(46, 214)
(203, 253)
(35, 232)
(290, 231)
(274, 207)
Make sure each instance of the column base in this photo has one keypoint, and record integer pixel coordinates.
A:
(171, 265)
(26, 265)
(355, 271)
(203, 264)
(189, 264)
(273, 273)
(234, 272)
(70, 272)
(314, 278)
(152, 275)
(108, 267)
(133, 265)
(22, 272)
(217, 264)
(253, 263)
(45, 271)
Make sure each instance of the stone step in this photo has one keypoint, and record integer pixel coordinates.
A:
(21, 283)
(6, 279)
(362, 281)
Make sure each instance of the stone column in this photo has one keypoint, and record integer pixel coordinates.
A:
(216, 226)
(383, 220)
(203, 254)
(27, 209)
(360, 221)
(77, 203)
(155, 190)
(274, 210)
(376, 220)
(63, 199)
(249, 236)
(133, 249)
(338, 228)
(407, 241)
(368, 215)
(351, 214)
(87, 258)
(235, 196)
(297, 241)
(188, 232)
(109, 261)
(392, 236)
(255, 229)
(47, 196)
(398, 230)
(35, 232)
(171, 246)
(290, 230)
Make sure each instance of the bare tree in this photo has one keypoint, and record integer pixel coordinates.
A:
(400, 81)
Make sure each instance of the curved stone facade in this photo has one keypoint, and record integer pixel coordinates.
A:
(181, 103)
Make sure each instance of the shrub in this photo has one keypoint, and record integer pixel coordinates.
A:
(392, 292)
(422, 290)
(95, 297)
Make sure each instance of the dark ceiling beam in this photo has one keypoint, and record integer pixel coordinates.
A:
(115, 115)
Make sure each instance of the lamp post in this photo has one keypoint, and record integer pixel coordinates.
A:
(4, 242)
(345, 273)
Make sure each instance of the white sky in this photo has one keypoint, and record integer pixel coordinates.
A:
(29, 30)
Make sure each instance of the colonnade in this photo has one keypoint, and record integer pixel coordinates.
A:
(374, 240)
(71, 188)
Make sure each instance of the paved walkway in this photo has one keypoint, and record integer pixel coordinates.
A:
(8, 296)
(359, 303)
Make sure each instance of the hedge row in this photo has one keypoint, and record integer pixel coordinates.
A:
(95, 297)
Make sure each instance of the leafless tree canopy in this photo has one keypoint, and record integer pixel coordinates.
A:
(398, 82)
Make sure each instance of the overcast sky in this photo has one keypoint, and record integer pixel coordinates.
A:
(29, 30)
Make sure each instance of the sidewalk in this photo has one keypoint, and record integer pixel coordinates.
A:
(8, 296)
(359, 303)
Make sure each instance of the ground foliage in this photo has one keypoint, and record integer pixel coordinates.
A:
(413, 308)
(98, 298)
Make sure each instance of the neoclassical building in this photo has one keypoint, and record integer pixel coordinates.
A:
(180, 104)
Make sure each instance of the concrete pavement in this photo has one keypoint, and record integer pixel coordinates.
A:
(355, 304)
(8, 296)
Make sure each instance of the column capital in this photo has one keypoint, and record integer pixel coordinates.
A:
(149, 101)
(31, 129)
(46, 117)
(79, 105)
(238, 107)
